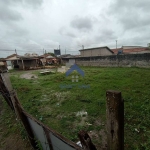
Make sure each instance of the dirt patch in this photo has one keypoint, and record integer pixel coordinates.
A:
(28, 75)
(63, 69)
(15, 142)
(101, 135)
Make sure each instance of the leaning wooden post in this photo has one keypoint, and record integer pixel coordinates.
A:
(115, 120)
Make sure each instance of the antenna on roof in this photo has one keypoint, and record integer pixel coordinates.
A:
(116, 44)
(82, 46)
(15, 51)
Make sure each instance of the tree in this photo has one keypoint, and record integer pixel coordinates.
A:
(52, 54)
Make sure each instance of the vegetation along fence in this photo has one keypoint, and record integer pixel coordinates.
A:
(50, 139)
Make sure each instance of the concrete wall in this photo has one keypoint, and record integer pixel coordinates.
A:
(95, 52)
(128, 60)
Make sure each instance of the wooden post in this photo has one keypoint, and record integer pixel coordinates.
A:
(86, 141)
(25, 122)
(22, 64)
(5, 92)
(48, 138)
(115, 120)
(36, 63)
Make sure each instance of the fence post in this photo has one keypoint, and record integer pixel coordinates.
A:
(5, 93)
(25, 122)
(115, 120)
(86, 141)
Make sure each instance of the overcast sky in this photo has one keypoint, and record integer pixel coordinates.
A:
(34, 25)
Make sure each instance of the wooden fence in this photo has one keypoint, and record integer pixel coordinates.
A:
(50, 139)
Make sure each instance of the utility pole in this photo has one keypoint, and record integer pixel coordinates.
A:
(15, 51)
(16, 56)
(82, 46)
(116, 44)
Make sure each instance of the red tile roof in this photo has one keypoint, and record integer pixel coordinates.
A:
(131, 50)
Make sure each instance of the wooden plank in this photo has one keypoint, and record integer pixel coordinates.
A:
(86, 141)
(115, 120)
(25, 122)
(5, 93)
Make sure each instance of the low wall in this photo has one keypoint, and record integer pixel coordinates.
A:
(128, 60)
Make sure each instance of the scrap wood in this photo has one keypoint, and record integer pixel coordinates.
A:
(86, 141)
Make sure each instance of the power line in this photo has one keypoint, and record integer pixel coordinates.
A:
(6, 50)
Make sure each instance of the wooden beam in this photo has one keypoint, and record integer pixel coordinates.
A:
(115, 120)
(22, 64)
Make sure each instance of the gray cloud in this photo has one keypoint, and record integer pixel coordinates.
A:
(63, 31)
(131, 4)
(131, 14)
(82, 23)
(138, 21)
(106, 35)
(16, 32)
(38, 24)
(70, 34)
(8, 14)
(31, 3)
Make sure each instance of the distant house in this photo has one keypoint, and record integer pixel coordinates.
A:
(131, 50)
(47, 59)
(98, 51)
(12, 61)
(65, 55)
(3, 65)
(24, 62)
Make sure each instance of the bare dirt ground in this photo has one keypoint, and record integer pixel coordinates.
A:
(28, 75)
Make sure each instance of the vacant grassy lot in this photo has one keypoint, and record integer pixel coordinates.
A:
(64, 108)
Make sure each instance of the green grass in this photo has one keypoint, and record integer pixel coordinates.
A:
(57, 108)
(11, 130)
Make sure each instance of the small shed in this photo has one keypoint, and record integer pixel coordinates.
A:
(24, 62)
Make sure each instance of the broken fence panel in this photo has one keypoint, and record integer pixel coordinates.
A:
(58, 144)
(6, 81)
(50, 139)
(39, 134)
